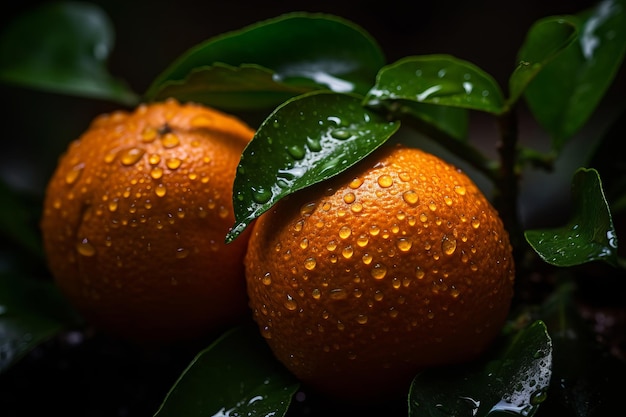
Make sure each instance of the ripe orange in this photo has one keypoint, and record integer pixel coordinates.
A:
(396, 265)
(135, 217)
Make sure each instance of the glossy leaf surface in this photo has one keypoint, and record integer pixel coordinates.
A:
(62, 47)
(566, 92)
(306, 140)
(236, 376)
(302, 49)
(545, 40)
(247, 87)
(438, 79)
(589, 235)
(513, 383)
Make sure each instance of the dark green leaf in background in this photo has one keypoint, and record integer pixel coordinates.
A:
(31, 311)
(302, 49)
(589, 235)
(565, 93)
(438, 79)
(248, 87)
(306, 140)
(544, 40)
(236, 376)
(62, 47)
(513, 383)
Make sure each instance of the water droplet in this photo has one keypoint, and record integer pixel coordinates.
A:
(374, 230)
(156, 172)
(74, 173)
(316, 293)
(345, 232)
(260, 195)
(307, 209)
(85, 248)
(349, 198)
(131, 156)
(362, 241)
(355, 183)
(448, 245)
(432, 206)
(419, 273)
(173, 163)
(338, 294)
(149, 134)
(347, 252)
(160, 190)
(447, 200)
(170, 140)
(267, 279)
(314, 144)
(296, 151)
(379, 271)
(341, 134)
(182, 253)
(475, 223)
(410, 197)
(459, 189)
(310, 263)
(423, 218)
(113, 205)
(361, 319)
(332, 245)
(367, 258)
(404, 244)
(290, 304)
(404, 176)
(385, 181)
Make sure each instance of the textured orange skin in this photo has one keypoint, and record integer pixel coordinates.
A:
(139, 263)
(313, 290)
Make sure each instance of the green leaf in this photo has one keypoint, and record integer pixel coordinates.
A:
(31, 311)
(62, 47)
(236, 376)
(514, 382)
(437, 79)
(545, 40)
(304, 141)
(589, 235)
(453, 121)
(302, 49)
(568, 89)
(247, 87)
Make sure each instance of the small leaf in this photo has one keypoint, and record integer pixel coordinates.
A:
(62, 47)
(589, 235)
(438, 79)
(545, 40)
(31, 311)
(304, 141)
(236, 376)
(514, 382)
(314, 50)
(453, 121)
(247, 87)
(568, 89)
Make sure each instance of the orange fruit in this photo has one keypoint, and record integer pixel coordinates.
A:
(394, 266)
(135, 218)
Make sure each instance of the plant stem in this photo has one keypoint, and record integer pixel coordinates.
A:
(506, 181)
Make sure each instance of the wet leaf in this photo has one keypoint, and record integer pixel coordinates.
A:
(437, 79)
(62, 47)
(247, 87)
(514, 382)
(453, 121)
(320, 51)
(545, 40)
(589, 235)
(305, 141)
(236, 376)
(568, 89)
(31, 311)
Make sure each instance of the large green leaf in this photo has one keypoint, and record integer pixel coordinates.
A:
(438, 79)
(589, 235)
(247, 87)
(62, 47)
(236, 376)
(513, 383)
(565, 93)
(302, 49)
(545, 40)
(304, 141)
